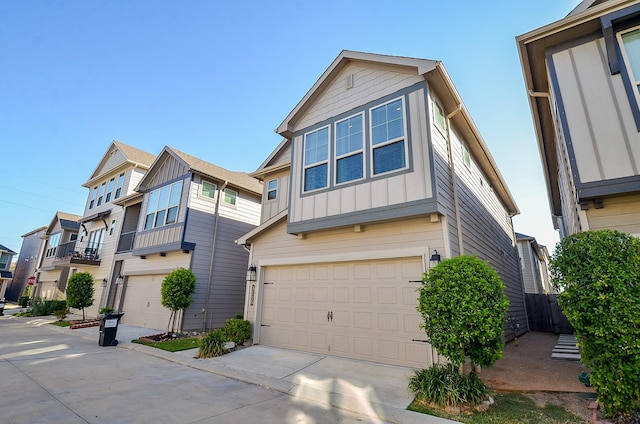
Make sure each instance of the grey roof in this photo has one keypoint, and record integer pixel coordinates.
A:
(6, 249)
(235, 178)
(523, 236)
(134, 154)
(584, 5)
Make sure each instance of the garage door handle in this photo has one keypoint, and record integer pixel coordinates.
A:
(331, 316)
(265, 325)
(327, 316)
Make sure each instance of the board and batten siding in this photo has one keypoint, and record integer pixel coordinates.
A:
(606, 143)
(379, 192)
(271, 208)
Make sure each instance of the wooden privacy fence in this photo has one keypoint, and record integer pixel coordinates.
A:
(545, 315)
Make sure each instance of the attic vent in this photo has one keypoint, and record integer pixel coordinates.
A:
(349, 81)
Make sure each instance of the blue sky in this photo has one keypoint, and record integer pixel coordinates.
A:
(214, 79)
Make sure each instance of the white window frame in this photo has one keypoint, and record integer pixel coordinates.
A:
(202, 193)
(94, 196)
(633, 79)
(119, 185)
(103, 186)
(305, 167)
(272, 189)
(466, 155)
(337, 157)
(112, 227)
(404, 138)
(232, 194)
(52, 244)
(107, 197)
(437, 112)
(153, 209)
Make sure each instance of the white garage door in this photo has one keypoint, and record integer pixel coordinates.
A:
(362, 310)
(142, 305)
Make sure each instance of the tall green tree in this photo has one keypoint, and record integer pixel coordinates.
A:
(176, 291)
(463, 309)
(80, 291)
(598, 273)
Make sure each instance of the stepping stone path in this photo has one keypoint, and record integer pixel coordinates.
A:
(566, 348)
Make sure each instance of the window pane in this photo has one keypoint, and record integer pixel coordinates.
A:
(160, 218)
(172, 214)
(176, 190)
(230, 197)
(208, 189)
(163, 199)
(315, 177)
(148, 223)
(119, 186)
(349, 168)
(632, 47)
(349, 135)
(272, 185)
(379, 134)
(387, 122)
(389, 157)
(316, 146)
(153, 202)
(272, 194)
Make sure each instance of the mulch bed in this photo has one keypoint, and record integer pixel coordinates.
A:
(83, 324)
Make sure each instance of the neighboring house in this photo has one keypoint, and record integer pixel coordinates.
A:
(115, 177)
(381, 173)
(27, 263)
(582, 75)
(6, 255)
(53, 263)
(534, 261)
(185, 213)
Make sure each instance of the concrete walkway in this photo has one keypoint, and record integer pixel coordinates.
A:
(58, 375)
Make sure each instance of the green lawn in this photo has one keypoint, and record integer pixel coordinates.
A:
(61, 323)
(508, 408)
(172, 345)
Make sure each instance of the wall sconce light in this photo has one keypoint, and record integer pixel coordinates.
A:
(119, 280)
(252, 272)
(435, 258)
(104, 282)
(55, 283)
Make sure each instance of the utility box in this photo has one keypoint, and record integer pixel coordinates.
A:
(109, 329)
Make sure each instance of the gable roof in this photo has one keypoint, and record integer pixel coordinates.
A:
(132, 156)
(68, 221)
(434, 72)
(268, 164)
(7, 250)
(235, 178)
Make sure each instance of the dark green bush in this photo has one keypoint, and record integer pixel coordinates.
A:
(463, 309)
(23, 301)
(237, 330)
(212, 344)
(47, 307)
(106, 311)
(443, 385)
(599, 275)
(80, 291)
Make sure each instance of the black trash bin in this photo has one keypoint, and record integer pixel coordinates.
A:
(2, 303)
(109, 329)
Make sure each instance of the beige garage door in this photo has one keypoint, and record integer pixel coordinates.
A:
(361, 310)
(142, 305)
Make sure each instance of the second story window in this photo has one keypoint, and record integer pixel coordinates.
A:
(119, 186)
(101, 193)
(162, 208)
(438, 117)
(94, 194)
(112, 227)
(54, 241)
(349, 151)
(230, 197)
(208, 189)
(630, 47)
(109, 190)
(316, 159)
(4, 261)
(272, 190)
(388, 137)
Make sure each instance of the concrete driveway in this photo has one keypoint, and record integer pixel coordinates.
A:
(54, 375)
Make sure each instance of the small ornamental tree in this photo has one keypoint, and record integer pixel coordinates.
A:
(599, 275)
(463, 307)
(80, 291)
(176, 291)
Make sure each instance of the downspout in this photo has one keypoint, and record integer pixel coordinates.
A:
(213, 251)
(247, 291)
(454, 181)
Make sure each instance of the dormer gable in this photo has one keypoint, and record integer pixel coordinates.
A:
(117, 157)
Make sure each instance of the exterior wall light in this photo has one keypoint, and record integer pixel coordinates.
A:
(252, 272)
(104, 282)
(435, 258)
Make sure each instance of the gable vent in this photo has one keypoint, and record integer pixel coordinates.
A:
(349, 81)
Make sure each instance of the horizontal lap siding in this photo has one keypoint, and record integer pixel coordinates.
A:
(619, 213)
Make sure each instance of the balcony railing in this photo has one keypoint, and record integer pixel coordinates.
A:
(82, 252)
(125, 244)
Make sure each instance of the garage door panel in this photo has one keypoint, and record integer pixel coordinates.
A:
(371, 307)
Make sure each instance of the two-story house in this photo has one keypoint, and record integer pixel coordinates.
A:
(582, 75)
(116, 175)
(185, 213)
(54, 265)
(27, 263)
(381, 173)
(6, 255)
(534, 261)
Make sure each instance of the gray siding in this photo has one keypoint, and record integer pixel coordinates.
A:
(26, 265)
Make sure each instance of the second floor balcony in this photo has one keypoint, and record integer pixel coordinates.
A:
(78, 252)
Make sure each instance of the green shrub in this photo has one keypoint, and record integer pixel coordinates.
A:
(47, 307)
(237, 330)
(80, 291)
(443, 385)
(176, 291)
(106, 311)
(599, 274)
(61, 313)
(212, 344)
(23, 301)
(463, 307)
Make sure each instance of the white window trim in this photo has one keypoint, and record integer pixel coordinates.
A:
(373, 147)
(436, 106)
(335, 157)
(275, 198)
(119, 186)
(466, 154)
(201, 190)
(224, 198)
(313, 165)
